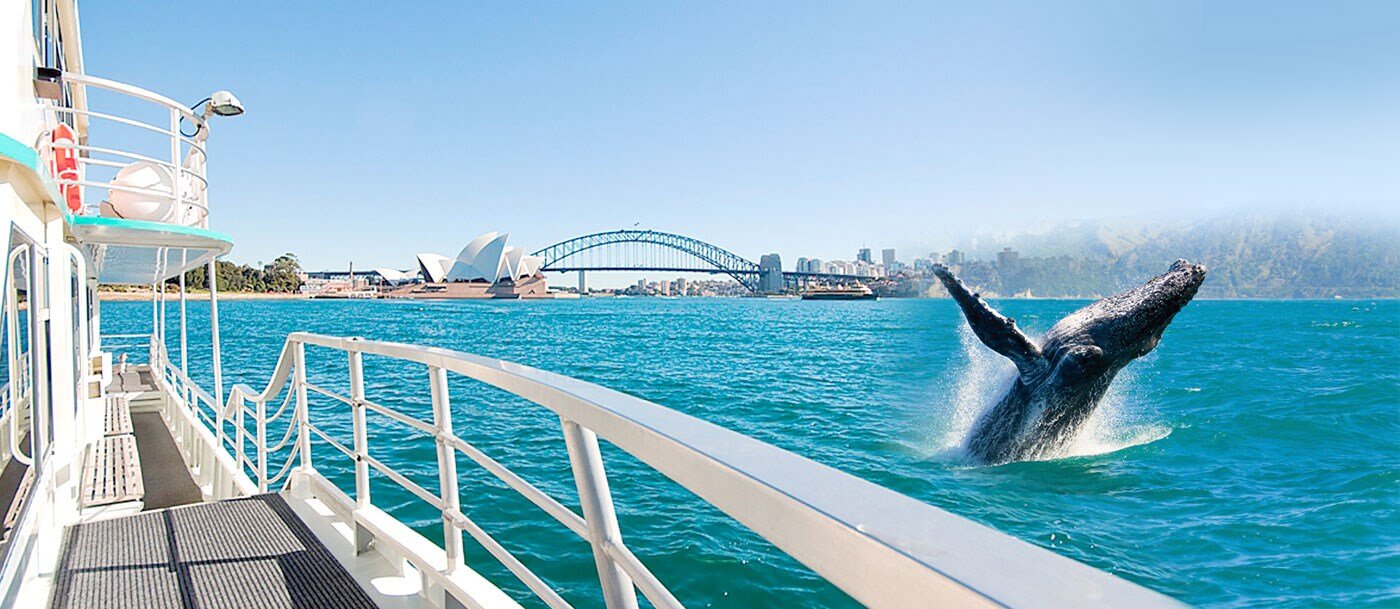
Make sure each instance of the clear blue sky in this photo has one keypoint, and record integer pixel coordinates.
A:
(376, 131)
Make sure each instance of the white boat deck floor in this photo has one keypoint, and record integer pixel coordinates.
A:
(135, 379)
(248, 552)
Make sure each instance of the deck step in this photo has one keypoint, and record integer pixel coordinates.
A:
(117, 421)
(112, 472)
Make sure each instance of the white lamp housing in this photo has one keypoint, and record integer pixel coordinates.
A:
(224, 103)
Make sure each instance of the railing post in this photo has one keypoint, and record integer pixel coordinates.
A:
(241, 403)
(262, 446)
(357, 415)
(213, 280)
(302, 418)
(184, 343)
(176, 187)
(220, 419)
(596, 500)
(447, 468)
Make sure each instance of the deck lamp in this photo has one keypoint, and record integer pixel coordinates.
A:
(222, 103)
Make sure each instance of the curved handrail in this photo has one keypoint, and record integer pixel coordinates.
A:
(184, 160)
(280, 373)
(881, 547)
(133, 91)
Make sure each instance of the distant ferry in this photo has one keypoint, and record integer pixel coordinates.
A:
(346, 295)
(858, 292)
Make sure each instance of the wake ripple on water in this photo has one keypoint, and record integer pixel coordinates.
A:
(983, 376)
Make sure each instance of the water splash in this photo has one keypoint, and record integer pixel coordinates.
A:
(978, 377)
(1116, 424)
(982, 376)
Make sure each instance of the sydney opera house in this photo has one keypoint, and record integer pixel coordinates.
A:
(485, 268)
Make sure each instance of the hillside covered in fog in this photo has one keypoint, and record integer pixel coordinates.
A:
(1249, 256)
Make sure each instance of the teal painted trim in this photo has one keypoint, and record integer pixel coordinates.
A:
(19, 153)
(150, 226)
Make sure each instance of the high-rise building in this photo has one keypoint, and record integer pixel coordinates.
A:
(1008, 259)
(801, 265)
(770, 274)
(814, 265)
(680, 286)
(954, 258)
(864, 256)
(887, 257)
(642, 286)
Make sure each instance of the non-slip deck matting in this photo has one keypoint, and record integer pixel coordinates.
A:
(249, 552)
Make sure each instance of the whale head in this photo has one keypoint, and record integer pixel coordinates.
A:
(1129, 325)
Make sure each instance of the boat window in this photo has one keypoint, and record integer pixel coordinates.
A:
(49, 51)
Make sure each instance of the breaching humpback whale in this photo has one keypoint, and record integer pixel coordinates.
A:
(1062, 377)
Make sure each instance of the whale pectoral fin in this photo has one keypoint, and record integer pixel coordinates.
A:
(995, 330)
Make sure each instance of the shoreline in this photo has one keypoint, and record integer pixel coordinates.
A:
(199, 296)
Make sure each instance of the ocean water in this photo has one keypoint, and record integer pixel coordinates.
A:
(1253, 460)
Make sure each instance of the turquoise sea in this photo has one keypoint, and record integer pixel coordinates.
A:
(1253, 460)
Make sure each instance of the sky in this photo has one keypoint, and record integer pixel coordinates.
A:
(378, 130)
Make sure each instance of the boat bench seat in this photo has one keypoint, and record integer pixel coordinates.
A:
(117, 418)
(112, 472)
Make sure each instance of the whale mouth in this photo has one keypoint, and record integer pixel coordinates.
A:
(1193, 275)
(1167, 293)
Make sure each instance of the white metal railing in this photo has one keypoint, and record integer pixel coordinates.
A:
(182, 158)
(881, 547)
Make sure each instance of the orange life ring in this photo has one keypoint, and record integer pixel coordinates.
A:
(65, 165)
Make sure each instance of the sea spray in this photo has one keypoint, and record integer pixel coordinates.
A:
(979, 377)
(1121, 421)
(976, 378)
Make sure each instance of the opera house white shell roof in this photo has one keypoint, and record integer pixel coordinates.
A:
(484, 258)
(434, 267)
(395, 276)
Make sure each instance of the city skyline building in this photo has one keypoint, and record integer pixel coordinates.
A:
(770, 273)
(1008, 259)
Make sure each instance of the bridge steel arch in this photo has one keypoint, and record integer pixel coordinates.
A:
(719, 260)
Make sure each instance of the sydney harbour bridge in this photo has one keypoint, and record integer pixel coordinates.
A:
(649, 250)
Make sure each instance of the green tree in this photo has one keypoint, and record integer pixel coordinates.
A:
(281, 275)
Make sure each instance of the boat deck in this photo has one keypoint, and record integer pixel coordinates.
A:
(135, 379)
(250, 552)
(167, 479)
(150, 469)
